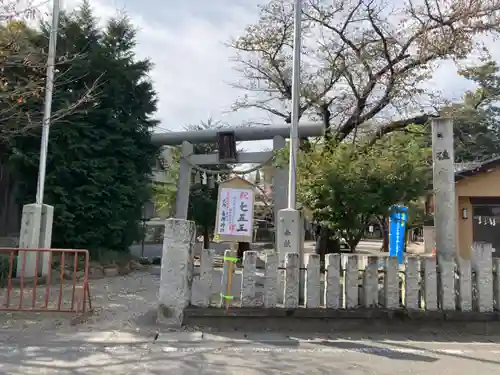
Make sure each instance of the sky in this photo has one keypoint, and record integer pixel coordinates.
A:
(185, 40)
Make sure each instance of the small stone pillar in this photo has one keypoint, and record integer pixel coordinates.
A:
(176, 271)
(36, 232)
(289, 241)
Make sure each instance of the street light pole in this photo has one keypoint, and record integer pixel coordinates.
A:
(294, 126)
(47, 110)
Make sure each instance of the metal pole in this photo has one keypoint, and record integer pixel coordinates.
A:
(49, 87)
(143, 236)
(294, 126)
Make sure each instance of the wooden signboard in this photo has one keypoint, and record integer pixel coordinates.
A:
(235, 206)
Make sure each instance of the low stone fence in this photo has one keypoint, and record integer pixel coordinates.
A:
(351, 281)
(348, 282)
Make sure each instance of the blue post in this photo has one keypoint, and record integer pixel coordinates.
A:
(398, 218)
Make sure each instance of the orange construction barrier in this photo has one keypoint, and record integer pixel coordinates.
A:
(70, 291)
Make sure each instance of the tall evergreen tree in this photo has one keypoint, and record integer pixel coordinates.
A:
(100, 159)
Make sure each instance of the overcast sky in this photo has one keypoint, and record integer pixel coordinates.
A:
(184, 38)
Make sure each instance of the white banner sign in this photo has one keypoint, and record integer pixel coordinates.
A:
(235, 212)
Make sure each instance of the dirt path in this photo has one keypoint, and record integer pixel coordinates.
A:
(125, 303)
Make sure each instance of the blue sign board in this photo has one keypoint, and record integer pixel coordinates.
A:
(398, 218)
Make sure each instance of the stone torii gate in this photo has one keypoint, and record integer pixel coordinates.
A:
(239, 134)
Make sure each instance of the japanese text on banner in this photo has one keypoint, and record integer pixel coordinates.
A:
(235, 212)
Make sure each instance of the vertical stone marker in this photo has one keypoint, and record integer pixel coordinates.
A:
(445, 215)
(176, 271)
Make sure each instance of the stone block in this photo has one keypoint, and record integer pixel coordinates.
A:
(483, 267)
(313, 278)
(351, 281)
(248, 295)
(332, 281)
(271, 280)
(429, 284)
(292, 278)
(202, 285)
(370, 282)
(176, 271)
(391, 283)
(464, 284)
(411, 284)
(447, 294)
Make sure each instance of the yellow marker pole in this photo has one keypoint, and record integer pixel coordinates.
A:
(229, 281)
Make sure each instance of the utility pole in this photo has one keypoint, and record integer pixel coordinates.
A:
(294, 126)
(47, 110)
(290, 224)
(37, 218)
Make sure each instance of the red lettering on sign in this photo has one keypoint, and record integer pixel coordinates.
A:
(243, 195)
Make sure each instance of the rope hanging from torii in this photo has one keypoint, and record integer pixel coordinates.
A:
(205, 172)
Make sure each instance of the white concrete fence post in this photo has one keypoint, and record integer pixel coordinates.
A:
(482, 264)
(176, 271)
(465, 301)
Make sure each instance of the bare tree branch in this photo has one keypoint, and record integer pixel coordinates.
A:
(365, 59)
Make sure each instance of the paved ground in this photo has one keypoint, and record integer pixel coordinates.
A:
(119, 339)
(262, 354)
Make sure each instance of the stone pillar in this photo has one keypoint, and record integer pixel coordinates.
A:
(482, 264)
(271, 280)
(176, 271)
(351, 281)
(411, 285)
(184, 182)
(36, 232)
(289, 240)
(445, 215)
(333, 281)
(465, 298)
(313, 281)
(292, 281)
(370, 282)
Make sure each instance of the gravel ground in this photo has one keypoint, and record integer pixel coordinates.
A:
(124, 303)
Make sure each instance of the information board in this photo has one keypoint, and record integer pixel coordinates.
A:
(235, 206)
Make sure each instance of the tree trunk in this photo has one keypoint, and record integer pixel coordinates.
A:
(242, 247)
(385, 234)
(326, 243)
(206, 238)
(354, 241)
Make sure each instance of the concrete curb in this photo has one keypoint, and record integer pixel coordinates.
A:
(328, 320)
(231, 337)
(341, 314)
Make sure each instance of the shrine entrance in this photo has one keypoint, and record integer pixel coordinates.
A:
(191, 163)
